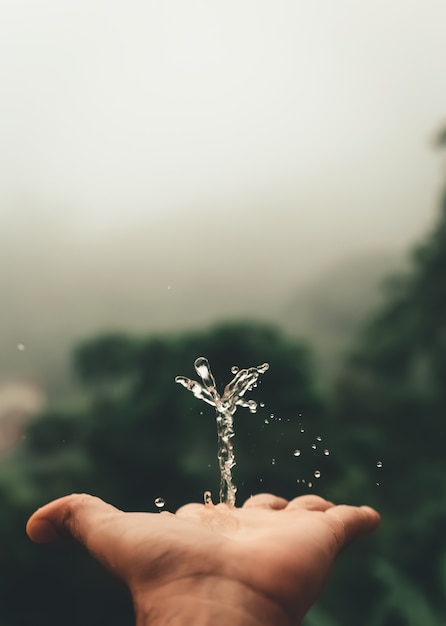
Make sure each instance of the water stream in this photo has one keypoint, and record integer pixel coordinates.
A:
(225, 407)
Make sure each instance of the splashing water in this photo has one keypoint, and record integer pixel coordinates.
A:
(225, 407)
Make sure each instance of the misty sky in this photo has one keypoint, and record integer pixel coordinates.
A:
(167, 164)
(115, 110)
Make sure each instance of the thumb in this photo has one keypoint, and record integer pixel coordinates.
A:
(356, 521)
(80, 516)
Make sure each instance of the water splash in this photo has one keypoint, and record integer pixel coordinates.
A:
(225, 407)
(207, 497)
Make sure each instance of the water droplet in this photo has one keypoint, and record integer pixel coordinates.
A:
(266, 421)
(302, 430)
(168, 287)
(379, 464)
(318, 438)
(234, 369)
(377, 484)
(296, 452)
(314, 446)
(159, 502)
(326, 452)
(298, 480)
(20, 346)
(207, 496)
(317, 474)
(262, 405)
(310, 485)
(273, 461)
(252, 406)
(271, 416)
(260, 480)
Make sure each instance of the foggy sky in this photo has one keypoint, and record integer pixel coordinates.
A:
(114, 112)
(164, 164)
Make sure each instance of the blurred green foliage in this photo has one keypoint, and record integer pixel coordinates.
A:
(139, 436)
(390, 403)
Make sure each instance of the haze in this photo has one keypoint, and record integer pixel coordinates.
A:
(215, 153)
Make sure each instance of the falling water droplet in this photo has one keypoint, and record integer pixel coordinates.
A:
(207, 496)
(310, 485)
(266, 421)
(273, 461)
(326, 452)
(262, 405)
(159, 502)
(20, 346)
(302, 430)
(379, 464)
(318, 438)
(314, 446)
(296, 452)
(317, 474)
(234, 369)
(271, 416)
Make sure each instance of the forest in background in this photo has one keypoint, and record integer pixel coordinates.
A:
(134, 436)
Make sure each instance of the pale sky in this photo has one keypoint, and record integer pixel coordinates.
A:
(118, 110)
(164, 164)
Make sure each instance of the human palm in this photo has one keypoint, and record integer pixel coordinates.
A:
(278, 551)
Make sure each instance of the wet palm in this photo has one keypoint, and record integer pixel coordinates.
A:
(276, 550)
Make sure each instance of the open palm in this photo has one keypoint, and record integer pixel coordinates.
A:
(276, 551)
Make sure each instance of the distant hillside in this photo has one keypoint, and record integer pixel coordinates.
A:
(330, 309)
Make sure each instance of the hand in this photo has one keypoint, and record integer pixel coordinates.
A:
(263, 563)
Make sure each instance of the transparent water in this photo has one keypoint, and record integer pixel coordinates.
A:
(225, 407)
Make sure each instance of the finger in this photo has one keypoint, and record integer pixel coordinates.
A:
(79, 515)
(356, 521)
(265, 501)
(310, 502)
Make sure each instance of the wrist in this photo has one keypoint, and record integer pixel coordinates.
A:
(206, 601)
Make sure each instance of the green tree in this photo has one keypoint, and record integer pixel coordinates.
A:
(391, 407)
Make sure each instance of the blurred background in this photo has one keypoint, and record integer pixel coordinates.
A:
(250, 181)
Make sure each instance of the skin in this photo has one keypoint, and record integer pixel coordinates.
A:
(263, 564)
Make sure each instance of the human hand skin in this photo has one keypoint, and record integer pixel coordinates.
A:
(263, 564)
